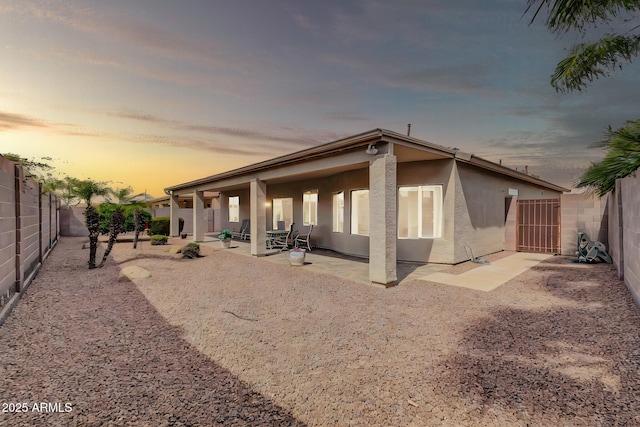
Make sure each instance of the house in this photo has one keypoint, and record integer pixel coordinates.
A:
(387, 197)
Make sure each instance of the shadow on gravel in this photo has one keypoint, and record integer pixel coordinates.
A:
(579, 361)
(84, 338)
(166, 257)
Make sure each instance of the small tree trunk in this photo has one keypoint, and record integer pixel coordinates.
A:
(117, 220)
(92, 221)
(136, 222)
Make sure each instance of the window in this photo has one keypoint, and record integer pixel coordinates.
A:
(420, 212)
(310, 207)
(234, 209)
(338, 212)
(360, 212)
(282, 213)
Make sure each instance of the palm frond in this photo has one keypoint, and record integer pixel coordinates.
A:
(622, 159)
(588, 62)
(565, 15)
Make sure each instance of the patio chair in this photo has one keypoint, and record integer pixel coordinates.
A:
(244, 227)
(247, 231)
(302, 240)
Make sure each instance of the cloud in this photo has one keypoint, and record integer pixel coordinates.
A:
(138, 45)
(289, 136)
(345, 117)
(10, 121)
(468, 79)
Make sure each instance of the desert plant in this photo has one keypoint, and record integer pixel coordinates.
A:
(159, 239)
(192, 250)
(162, 225)
(86, 190)
(225, 234)
(106, 209)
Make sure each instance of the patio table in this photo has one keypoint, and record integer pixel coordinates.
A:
(276, 239)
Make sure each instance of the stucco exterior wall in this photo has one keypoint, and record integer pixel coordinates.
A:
(473, 209)
(480, 209)
(435, 172)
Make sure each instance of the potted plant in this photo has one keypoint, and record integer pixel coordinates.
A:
(225, 238)
(296, 256)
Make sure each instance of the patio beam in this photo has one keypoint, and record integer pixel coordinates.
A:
(258, 216)
(382, 220)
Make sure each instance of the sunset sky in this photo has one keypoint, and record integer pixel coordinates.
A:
(152, 93)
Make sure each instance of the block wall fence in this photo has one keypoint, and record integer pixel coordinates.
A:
(624, 232)
(29, 229)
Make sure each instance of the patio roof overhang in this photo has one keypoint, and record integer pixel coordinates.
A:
(344, 154)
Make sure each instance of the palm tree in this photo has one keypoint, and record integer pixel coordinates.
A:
(622, 159)
(589, 61)
(86, 190)
(124, 201)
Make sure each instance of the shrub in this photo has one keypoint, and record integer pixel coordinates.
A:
(162, 225)
(159, 239)
(192, 250)
(106, 209)
(225, 234)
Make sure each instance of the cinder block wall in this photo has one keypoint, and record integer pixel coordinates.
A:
(583, 213)
(7, 231)
(28, 230)
(72, 221)
(630, 198)
(615, 229)
(30, 233)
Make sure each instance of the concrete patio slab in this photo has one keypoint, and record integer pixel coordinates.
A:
(489, 277)
(483, 278)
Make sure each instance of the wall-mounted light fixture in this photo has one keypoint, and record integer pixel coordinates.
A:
(372, 150)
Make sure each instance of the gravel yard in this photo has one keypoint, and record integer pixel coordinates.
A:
(233, 340)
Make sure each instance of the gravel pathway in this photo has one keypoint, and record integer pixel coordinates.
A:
(96, 353)
(228, 339)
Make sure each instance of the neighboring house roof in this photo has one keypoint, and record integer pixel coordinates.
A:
(363, 139)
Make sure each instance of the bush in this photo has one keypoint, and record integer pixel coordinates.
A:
(106, 209)
(192, 250)
(159, 239)
(162, 225)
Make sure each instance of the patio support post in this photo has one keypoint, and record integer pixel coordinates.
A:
(173, 221)
(382, 220)
(198, 216)
(258, 217)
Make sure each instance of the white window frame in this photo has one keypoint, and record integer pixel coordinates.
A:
(338, 212)
(355, 210)
(438, 199)
(234, 209)
(310, 207)
(287, 221)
